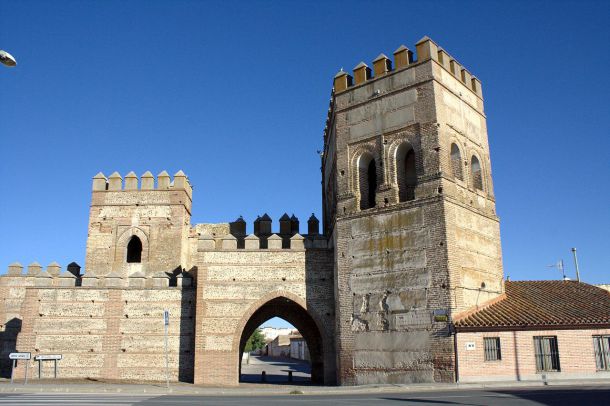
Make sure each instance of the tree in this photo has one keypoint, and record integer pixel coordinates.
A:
(255, 342)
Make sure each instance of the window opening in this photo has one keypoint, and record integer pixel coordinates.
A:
(547, 354)
(602, 352)
(492, 348)
(134, 250)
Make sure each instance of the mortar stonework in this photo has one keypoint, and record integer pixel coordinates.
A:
(372, 294)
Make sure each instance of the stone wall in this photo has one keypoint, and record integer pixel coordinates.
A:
(110, 333)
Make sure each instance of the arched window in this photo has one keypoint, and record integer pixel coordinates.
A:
(367, 181)
(406, 177)
(475, 173)
(134, 250)
(456, 162)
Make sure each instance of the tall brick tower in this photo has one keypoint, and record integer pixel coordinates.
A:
(409, 205)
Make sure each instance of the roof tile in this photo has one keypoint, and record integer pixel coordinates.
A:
(542, 303)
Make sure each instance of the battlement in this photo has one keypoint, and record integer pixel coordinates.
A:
(114, 183)
(36, 276)
(426, 50)
(286, 238)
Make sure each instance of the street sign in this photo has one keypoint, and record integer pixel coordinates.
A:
(166, 317)
(48, 357)
(20, 355)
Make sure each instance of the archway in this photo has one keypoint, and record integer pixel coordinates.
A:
(296, 315)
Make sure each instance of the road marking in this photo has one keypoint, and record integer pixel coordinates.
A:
(72, 399)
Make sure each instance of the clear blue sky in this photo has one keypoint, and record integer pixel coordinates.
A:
(235, 94)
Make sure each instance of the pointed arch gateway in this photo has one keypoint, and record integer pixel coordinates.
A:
(292, 309)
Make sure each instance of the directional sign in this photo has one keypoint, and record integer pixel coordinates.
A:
(20, 355)
(166, 317)
(48, 357)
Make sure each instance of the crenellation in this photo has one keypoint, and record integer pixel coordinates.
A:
(163, 180)
(131, 181)
(15, 269)
(274, 242)
(426, 50)
(54, 269)
(148, 181)
(115, 182)
(362, 73)
(34, 269)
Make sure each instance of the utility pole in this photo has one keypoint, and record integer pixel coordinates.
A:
(576, 264)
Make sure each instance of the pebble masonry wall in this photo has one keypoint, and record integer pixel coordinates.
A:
(115, 334)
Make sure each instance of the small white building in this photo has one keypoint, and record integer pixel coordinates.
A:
(270, 333)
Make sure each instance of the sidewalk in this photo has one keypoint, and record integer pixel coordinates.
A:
(64, 386)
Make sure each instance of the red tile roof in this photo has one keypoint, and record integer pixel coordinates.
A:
(541, 304)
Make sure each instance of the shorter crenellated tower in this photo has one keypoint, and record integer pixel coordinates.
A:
(138, 229)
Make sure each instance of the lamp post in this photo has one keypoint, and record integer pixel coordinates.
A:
(7, 59)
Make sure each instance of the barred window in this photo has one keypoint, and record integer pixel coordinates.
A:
(547, 354)
(602, 352)
(492, 348)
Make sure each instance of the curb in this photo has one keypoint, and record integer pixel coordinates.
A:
(140, 389)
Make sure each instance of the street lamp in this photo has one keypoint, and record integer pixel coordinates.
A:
(7, 59)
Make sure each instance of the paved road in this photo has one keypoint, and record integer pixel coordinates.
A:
(581, 396)
(276, 370)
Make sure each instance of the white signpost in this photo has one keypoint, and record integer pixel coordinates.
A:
(47, 357)
(166, 325)
(23, 356)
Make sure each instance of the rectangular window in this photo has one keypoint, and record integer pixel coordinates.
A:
(547, 354)
(602, 352)
(492, 348)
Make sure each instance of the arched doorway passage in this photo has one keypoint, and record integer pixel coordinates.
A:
(296, 315)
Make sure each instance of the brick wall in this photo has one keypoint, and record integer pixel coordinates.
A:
(576, 356)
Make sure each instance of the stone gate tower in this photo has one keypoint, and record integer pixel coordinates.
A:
(409, 206)
(137, 230)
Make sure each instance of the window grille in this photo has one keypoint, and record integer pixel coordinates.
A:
(547, 354)
(602, 352)
(492, 348)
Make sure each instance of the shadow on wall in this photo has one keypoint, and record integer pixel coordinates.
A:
(186, 355)
(8, 340)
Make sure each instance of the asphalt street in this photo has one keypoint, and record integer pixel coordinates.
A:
(577, 395)
(276, 370)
